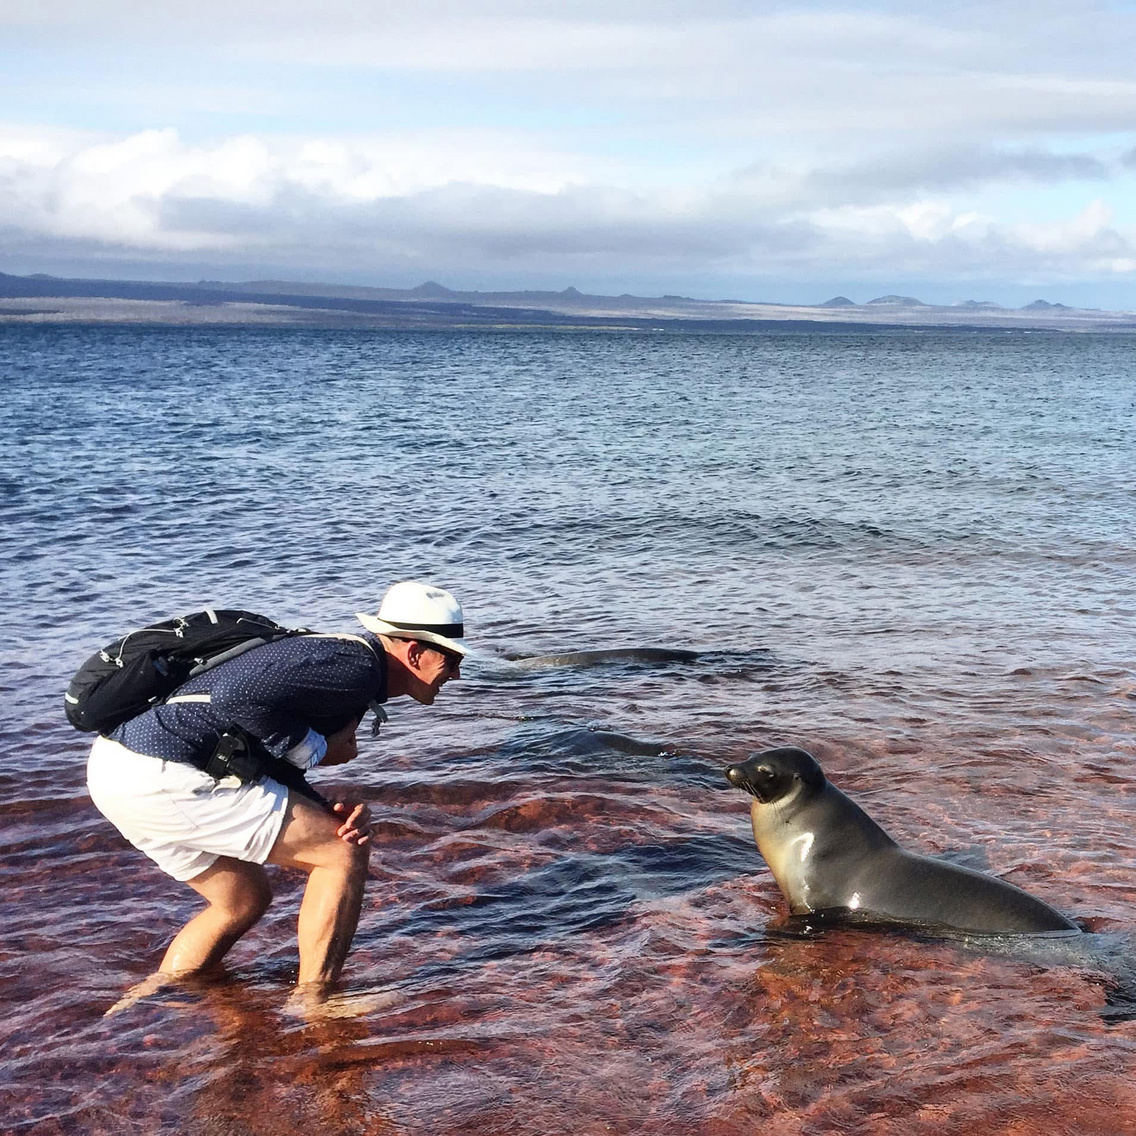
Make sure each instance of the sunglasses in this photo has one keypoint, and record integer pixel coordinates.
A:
(452, 661)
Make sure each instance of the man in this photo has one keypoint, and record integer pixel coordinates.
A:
(297, 702)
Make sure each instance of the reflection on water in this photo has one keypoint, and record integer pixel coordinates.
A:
(911, 554)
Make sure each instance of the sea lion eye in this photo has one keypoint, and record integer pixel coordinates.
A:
(764, 771)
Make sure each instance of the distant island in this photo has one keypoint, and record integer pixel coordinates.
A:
(899, 301)
(42, 299)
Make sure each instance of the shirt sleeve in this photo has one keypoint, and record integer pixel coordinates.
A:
(309, 753)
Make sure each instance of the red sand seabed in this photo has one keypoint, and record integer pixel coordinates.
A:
(674, 1015)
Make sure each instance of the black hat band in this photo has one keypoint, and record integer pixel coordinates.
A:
(449, 630)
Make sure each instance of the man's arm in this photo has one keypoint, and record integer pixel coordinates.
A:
(342, 747)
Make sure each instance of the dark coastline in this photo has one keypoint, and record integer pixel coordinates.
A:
(209, 303)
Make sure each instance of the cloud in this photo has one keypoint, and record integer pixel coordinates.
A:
(930, 240)
(724, 67)
(902, 175)
(837, 73)
(318, 204)
(632, 138)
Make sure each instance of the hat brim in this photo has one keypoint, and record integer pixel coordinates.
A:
(378, 627)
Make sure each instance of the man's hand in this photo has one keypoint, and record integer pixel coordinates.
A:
(356, 829)
(341, 746)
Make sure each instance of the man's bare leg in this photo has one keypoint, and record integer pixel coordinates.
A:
(337, 871)
(238, 895)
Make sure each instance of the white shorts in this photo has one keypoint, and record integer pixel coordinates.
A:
(179, 816)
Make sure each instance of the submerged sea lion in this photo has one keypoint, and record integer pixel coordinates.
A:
(830, 858)
(611, 655)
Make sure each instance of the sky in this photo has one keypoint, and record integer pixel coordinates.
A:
(722, 150)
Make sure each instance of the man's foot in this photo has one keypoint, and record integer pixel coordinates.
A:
(314, 1003)
(151, 984)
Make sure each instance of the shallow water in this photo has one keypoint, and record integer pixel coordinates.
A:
(912, 554)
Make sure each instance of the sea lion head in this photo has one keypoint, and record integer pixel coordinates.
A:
(773, 774)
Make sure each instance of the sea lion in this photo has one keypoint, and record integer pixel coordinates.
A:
(610, 655)
(831, 859)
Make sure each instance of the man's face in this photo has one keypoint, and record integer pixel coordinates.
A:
(432, 668)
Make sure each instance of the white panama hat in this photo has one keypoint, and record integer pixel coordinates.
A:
(412, 610)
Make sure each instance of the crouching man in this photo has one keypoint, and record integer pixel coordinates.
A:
(288, 705)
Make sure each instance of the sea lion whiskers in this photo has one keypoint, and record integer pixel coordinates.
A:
(761, 781)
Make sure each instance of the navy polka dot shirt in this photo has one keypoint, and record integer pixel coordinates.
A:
(276, 693)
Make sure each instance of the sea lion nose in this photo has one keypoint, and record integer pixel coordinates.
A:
(736, 776)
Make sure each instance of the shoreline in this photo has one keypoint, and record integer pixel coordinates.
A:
(29, 311)
(56, 300)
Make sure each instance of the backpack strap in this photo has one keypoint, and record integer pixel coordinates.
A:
(344, 635)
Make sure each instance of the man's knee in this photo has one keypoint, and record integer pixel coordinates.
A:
(239, 891)
(350, 859)
(253, 901)
(308, 840)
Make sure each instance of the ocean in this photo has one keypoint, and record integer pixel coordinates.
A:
(911, 553)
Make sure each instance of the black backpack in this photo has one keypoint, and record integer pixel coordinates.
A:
(145, 667)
